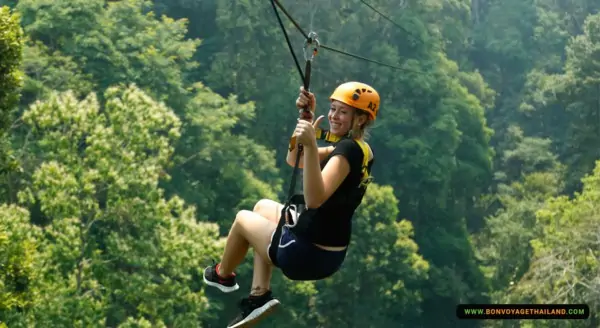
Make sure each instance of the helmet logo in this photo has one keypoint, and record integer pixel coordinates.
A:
(372, 106)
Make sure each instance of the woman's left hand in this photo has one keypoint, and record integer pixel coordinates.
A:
(305, 132)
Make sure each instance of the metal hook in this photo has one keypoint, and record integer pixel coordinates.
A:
(312, 40)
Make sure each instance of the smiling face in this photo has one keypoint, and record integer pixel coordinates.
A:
(340, 118)
(354, 106)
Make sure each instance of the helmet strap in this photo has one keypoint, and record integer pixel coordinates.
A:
(350, 133)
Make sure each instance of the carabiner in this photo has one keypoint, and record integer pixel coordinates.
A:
(313, 41)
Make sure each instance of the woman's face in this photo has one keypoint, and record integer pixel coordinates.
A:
(340, 118)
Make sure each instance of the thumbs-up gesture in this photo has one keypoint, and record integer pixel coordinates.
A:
(305, 132)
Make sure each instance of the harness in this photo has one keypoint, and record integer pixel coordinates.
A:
(295, 201)
(325, 135)
(294, 209)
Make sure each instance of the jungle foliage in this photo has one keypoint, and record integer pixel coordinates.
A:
(133, 131)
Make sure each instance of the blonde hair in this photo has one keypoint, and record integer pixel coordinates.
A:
(362, 130)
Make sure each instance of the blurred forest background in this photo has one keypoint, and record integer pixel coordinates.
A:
(133, 131)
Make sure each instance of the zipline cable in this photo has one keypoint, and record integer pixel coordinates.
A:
(287, 39)
(311, 40)
(393, 22)
(306, 36)
(306, 79)
(370, 60)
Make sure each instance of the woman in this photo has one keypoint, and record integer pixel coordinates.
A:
(334, 185)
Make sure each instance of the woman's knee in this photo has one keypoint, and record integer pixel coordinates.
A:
(241, 216)
(248, 220)
(255, 229)
(262, 204)
(268, 209)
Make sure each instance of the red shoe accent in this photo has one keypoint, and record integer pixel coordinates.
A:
(220, 276)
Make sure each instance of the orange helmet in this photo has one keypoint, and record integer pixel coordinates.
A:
(358, 95)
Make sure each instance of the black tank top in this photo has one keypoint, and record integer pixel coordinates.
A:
(331, 224)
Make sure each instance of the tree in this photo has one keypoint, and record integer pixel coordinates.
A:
(104, 45)
(565, 263)
(571, 100)
(125, 42)
(118, 252)
(21, 263)
(218, 169)
(11, 47)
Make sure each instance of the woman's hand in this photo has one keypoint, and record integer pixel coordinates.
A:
(305, 132)
(306, 100)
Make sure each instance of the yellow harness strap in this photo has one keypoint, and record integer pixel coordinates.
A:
(328, 137)
(366, 177)
(320, 134)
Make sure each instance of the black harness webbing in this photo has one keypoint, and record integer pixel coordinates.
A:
(293, 200)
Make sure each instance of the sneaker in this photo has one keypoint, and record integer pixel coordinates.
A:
(226, 285)
(254, 309)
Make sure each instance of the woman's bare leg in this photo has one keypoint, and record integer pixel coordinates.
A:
(254, 229)
(248, 229)
(236, 246)
(263, 268)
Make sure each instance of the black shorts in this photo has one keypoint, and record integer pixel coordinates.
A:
(299, 259)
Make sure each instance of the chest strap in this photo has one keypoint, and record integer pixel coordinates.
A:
(327, 136)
